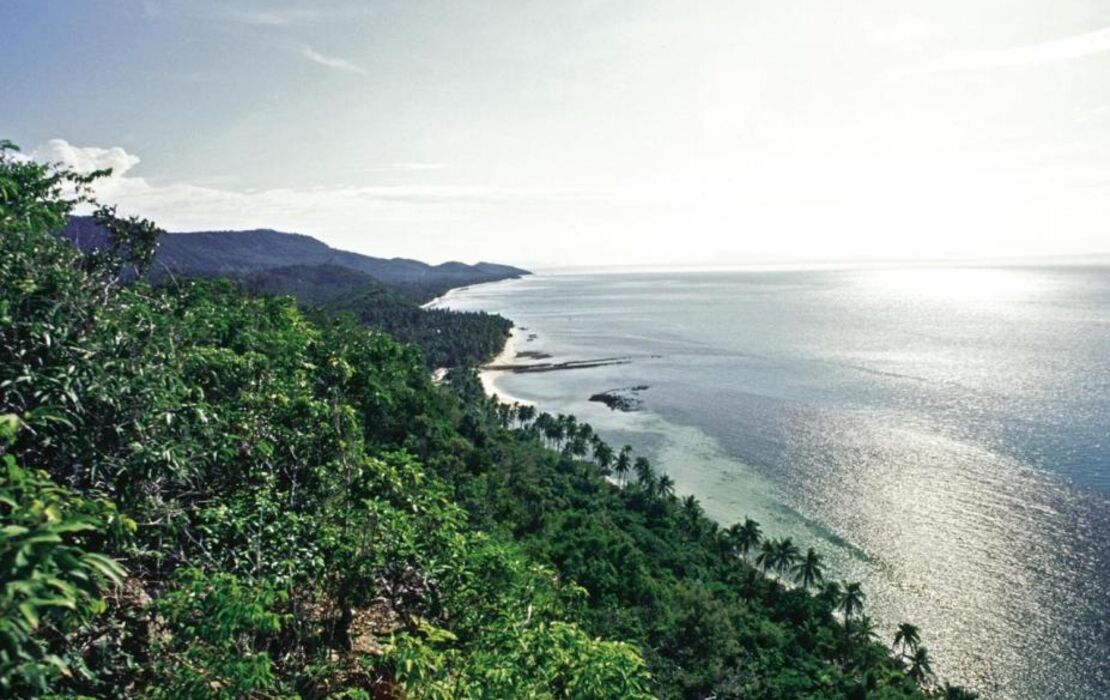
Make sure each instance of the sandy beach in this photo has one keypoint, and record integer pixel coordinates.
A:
(507, 356)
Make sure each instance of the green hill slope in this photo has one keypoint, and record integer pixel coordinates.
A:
(206, 494)
(445, 338)
(241, 254)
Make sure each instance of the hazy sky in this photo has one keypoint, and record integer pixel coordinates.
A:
(589, 131)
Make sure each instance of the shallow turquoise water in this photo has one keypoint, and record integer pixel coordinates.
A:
(942, 434)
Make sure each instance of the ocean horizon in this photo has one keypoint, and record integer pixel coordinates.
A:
(940, 433)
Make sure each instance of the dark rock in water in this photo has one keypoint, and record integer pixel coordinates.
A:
(625, 399)
(532, 355)
(617, 402)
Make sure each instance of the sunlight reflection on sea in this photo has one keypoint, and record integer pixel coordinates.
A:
(940, 433)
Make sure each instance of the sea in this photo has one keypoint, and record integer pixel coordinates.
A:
(940, 433)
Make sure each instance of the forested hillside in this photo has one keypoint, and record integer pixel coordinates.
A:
(240, 254)
(207, 494)
(445, 338)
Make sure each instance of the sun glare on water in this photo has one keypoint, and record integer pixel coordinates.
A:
(953, 284)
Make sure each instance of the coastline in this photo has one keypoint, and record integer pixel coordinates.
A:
(488, 374)
(437, 301)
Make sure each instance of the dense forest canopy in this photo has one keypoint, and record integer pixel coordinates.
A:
(382, 294)
(445, 338)
(239, 254)
(210, 494)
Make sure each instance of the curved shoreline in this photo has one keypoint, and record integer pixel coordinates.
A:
(489, 374)
(726, 486)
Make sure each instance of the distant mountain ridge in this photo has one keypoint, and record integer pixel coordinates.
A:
(243, 254)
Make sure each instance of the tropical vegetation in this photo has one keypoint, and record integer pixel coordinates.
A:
(210, 494)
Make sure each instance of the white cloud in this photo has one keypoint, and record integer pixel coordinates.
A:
(331, 61)
(1056, 51)
(85, 159)
(181, 206)
(800, 206)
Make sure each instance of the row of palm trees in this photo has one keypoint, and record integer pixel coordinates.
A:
(780, 558)
(907, 643)
(574, 439)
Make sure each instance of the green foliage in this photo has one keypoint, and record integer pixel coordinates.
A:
(36, 197)
(52, 571)
(308, 515)
(214, 642)
(445, 338)
(129, 248)
(659, 574)
(286, 533)
(544, 660)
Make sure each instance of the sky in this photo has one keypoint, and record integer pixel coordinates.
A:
(584, 132)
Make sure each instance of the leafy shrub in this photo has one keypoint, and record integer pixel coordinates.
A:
(51, 570)
(214, 642)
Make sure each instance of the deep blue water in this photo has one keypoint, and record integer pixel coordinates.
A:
(941, 434)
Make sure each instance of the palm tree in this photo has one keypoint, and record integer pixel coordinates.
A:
(525, 413)
(955, 692)
(788, 554)
(624, 462)
(691, 510)
(505, 414)
(921, 667)
(852, 601)
(750, 583)
(570, 426)
(745, 536)
(768, 555)
(863, 629)
(586, 431)
(603, 454)
(578, 446)
(831, 594)
(549, 427)
(665, 486)
(644, 473)
(907, 638)
(808, 571)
